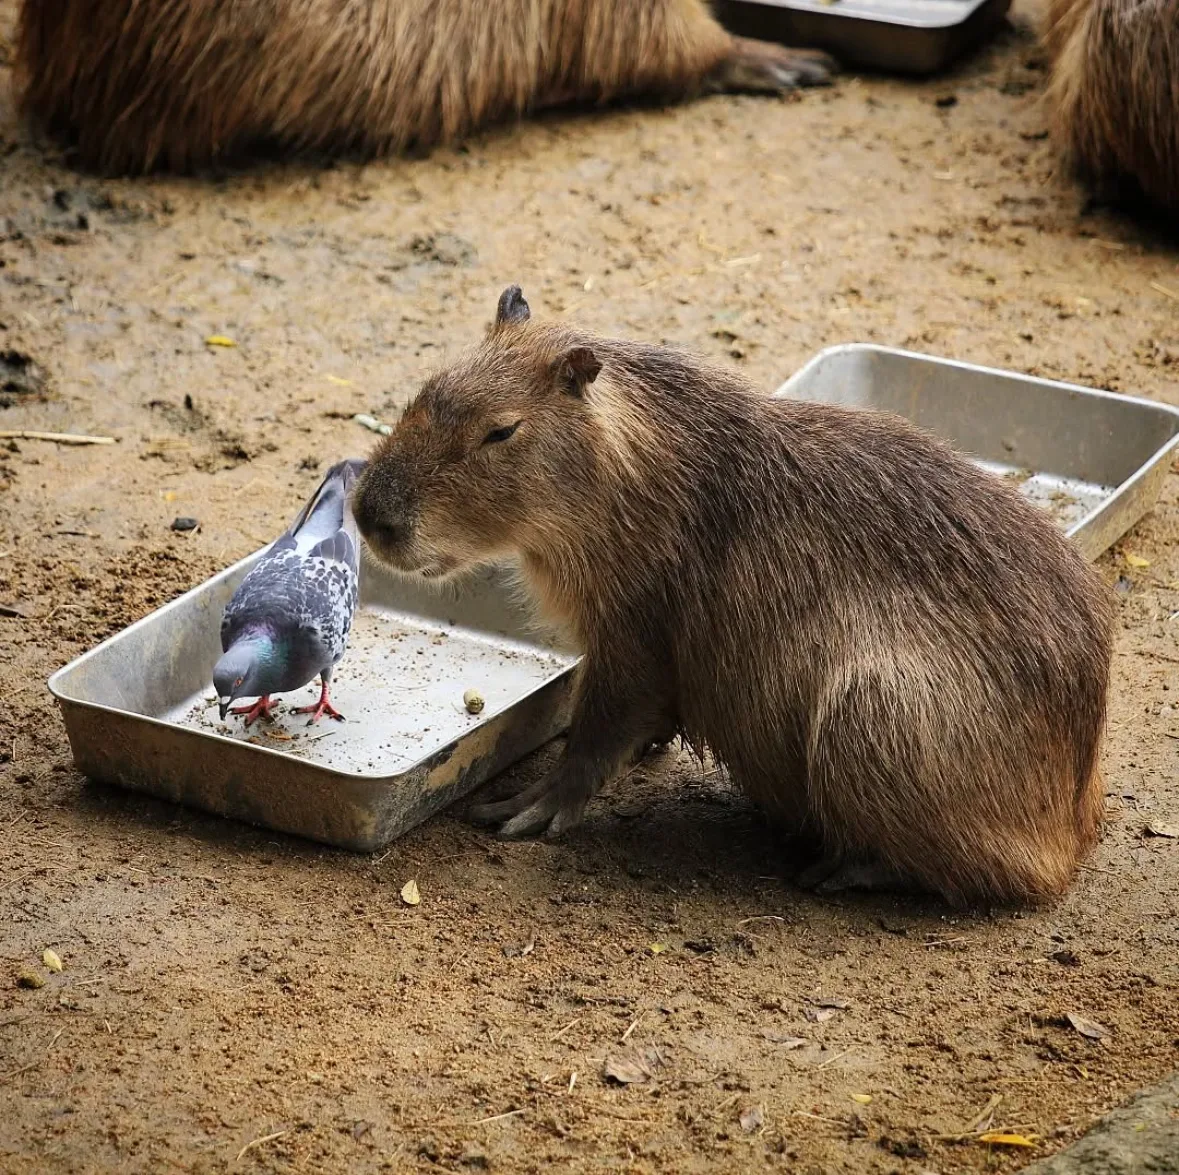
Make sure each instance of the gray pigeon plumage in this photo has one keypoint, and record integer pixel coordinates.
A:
(289, 619)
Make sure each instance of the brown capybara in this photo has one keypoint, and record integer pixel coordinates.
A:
(136, 85)
(886, 647)
(1113, 95)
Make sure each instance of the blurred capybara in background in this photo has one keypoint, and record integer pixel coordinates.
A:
(1113, 95)
(136, 85)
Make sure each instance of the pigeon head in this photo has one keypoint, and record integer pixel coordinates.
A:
(246, 670)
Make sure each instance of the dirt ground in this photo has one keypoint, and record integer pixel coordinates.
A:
(237, 1000)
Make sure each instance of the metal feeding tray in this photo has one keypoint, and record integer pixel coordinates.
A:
(140, 710)
(1095, 460)
(918, 37)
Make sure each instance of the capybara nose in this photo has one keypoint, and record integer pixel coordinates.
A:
(366, 510)
(387, 534)
(381, 513)
(379, 529)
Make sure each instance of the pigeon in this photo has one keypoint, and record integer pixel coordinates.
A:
(289, 619)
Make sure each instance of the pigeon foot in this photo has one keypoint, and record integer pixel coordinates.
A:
(262, 708)
(320, 708)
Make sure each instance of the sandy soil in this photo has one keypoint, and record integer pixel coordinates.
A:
(225, 986)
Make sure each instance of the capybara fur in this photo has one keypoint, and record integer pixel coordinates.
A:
(887, 648)
(1113, 95)
(138, 85)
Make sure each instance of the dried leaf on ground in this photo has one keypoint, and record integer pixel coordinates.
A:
(1156, 828)
(785, 1040)
(51, 959)
(633, 1066)
(752, 1119)
(1087, 1027)
(410, 893)
(220, 341)
(831, 1001)
(863, 1098)
(1136, 561)
(999, 1139)
(818, 1015)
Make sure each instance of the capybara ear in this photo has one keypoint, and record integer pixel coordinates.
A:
(512, 307)
(575, 370)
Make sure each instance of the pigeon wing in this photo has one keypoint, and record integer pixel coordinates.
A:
(332, 583)
(271, 595)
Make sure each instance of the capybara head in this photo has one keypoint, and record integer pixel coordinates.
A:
(468, 471)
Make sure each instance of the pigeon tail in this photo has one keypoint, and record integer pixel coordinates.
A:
(327, 512)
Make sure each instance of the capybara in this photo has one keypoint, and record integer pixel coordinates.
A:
(1113, 95)
(136, 85)
(886, 647)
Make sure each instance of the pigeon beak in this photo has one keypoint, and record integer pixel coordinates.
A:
(223, 706)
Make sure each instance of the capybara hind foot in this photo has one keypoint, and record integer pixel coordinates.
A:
(832, 875)
(759, 67)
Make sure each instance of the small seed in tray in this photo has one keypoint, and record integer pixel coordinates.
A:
(473, 700)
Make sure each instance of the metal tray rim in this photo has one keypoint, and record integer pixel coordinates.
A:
(834, 14)
(426, 761)
(1120, 491)
(53, 683)
(880, 348)
(64, 697)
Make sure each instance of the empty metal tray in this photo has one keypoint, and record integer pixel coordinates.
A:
(140, 711)
(1095, 460)
(898, 36)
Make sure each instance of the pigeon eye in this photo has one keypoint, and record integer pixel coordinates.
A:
(501, 434)
(239, 681)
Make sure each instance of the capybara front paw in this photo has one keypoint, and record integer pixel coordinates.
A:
(546, 818)
(545, 809)
(494, 814)
(760, 67)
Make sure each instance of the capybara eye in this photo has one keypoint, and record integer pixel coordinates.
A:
(501, 434)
